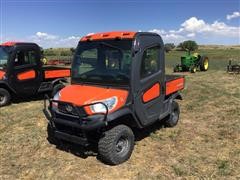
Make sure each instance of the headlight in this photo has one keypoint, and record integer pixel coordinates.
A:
(100, 108)
(56, 97)
(4, 77)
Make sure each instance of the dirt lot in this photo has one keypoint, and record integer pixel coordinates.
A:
(205, 143)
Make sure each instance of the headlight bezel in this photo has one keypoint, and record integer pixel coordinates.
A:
(98, 106)
(56, 97)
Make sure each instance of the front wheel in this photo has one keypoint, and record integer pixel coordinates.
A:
(50, 135)
(193, 69)
(117, 144)
(176, 69)
(5, 97)
(173, 116)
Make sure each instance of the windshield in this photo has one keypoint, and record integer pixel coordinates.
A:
(103, 62)
(3, 57)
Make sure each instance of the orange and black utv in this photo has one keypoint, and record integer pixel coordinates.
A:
(118, 83)
(22, 73)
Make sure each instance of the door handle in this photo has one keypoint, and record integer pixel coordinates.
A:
(163, 89)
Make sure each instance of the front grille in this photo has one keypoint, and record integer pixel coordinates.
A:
(69, 109)
(69, 130)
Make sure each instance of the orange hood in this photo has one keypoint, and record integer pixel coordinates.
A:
(1, 74)
(82, 94)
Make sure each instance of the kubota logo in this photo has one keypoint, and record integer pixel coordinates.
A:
(69, 108)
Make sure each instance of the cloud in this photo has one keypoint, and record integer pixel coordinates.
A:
(45, 36)
(191, 35)
(89, 34)
(193, 24)
(233, 15)
(159, 31)
(195, 29)
(49, 40)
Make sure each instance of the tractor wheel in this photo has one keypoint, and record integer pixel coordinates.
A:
(5, 97)
(173, 116)
(116, 145)
(204, 63)
(176, 69)
(193, 69)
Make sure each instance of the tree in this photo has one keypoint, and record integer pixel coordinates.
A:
(168, 47)
(72, 50)
(188, 45)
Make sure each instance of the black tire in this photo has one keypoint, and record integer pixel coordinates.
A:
(176, 69)
(173, 116)
(5, 97)
(203, 65)
(50, 135)
(193, 69)
(56, 88)
(116, 146)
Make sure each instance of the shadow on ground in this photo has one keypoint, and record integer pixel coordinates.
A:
(92, 149)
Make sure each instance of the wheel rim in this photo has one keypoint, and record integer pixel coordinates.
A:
(175, 115)
(194, 69)
(205, 64)
(2, 98)
(122, 146)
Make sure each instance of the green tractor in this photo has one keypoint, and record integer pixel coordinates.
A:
(191, 62)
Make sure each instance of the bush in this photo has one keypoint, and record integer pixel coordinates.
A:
(188, 45)
(168, 47)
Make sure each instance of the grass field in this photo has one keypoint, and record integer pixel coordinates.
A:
(204, 145)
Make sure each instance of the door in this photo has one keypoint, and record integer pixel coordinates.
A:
(25, 73)
(148, 78)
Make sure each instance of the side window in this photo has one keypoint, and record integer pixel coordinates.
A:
(25, 57)
(31, 57)
(150, 61)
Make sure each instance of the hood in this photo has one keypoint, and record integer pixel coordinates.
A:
(1, 74)
(82, 94)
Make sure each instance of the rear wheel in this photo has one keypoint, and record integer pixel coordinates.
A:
(173, 116)
(5, 97)
(117, 145)
(204, 63)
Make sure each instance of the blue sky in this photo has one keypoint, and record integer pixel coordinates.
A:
(60, 23)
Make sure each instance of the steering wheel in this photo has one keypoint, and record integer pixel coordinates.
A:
(122, 76)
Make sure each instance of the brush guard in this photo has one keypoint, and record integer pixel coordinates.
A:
(78, 120)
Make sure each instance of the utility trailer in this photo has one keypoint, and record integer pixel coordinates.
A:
(118, 84)
(22, 73)
(233, 68)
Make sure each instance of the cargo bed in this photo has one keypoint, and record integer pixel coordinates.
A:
(174, 83)
(55, 72)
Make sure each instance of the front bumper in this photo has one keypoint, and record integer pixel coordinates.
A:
(76, 122)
